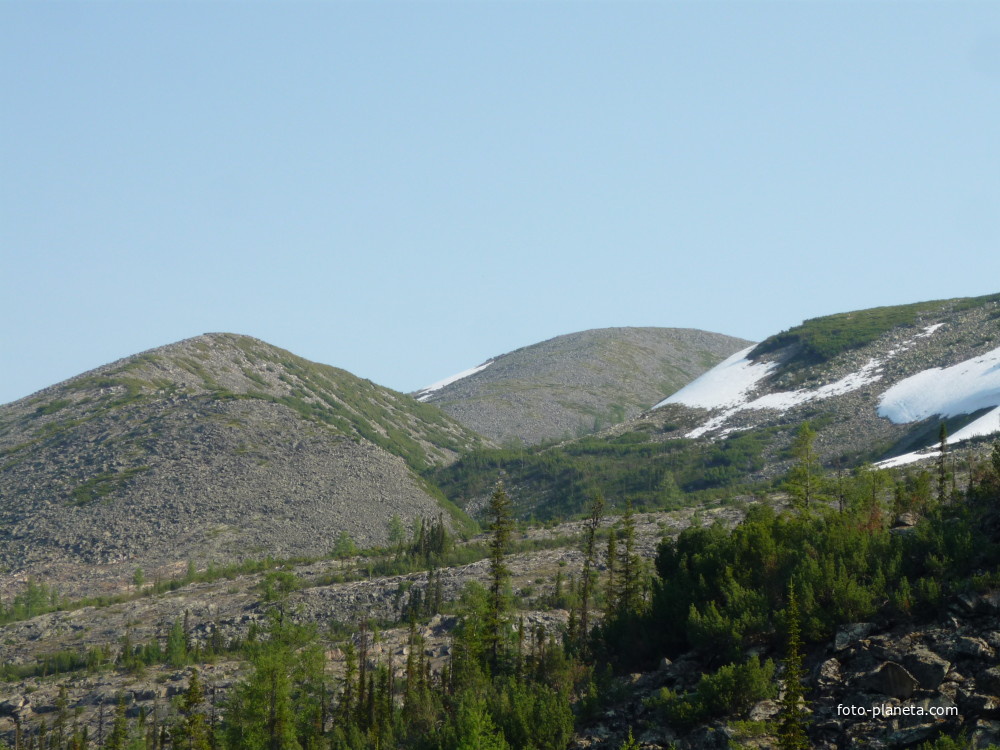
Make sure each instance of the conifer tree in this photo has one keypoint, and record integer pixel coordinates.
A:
(803, 481)
(177, 651)
(611, 562)
(943, 464)
(62, 717)
(119, 729)
(792, 727)
(192, 732)
(630, 742)
(589, 554)
(501, 526)
(474, 727)
(260, 713)
(630, 589)
(345, 708)
(363, 668)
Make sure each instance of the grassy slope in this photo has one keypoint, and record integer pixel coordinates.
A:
(820, 339)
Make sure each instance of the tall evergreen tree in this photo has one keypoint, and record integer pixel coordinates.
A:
(589, 555)
(261, 714)
(630, 586)
(803, 480)
(191, 733)
(118, 737)
(942, 463)
(792, 727)
(611, 563)
(501, 527)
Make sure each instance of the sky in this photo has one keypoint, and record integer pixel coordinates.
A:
(405, 190)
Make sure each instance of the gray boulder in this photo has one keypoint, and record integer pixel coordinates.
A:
(891, 679)
(848, 635)
(929, 668)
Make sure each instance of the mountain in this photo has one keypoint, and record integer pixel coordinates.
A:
(578, 383)
(892, 595)
(875, 385)
(211, 449)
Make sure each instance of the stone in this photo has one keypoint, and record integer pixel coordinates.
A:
(765, 710)
(980, 706)
(990, 680)
(984, 734)
(848, 635)
(828, 674)
(891, 679)
(929, 668)
(977, 648)
(10, 706)
(991, 601)
(912, 735)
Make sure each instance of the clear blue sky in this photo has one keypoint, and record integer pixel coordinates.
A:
(405, 189)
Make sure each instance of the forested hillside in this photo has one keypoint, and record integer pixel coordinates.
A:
(719, 625)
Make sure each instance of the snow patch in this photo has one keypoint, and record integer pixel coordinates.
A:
(960, 389)
(425, 393)
(928, 331)
(725, 385)
(947, 392)
(787, 399)
(728, 385)
(988, 424)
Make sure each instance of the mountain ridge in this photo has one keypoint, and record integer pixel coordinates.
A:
(214, 448)
(577, 383)
(740, 437)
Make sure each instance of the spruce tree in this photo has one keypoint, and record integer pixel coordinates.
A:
(803, 480)
(501, 526)
(792, 726)
(119, 729)
(943, 464)
(630, 586)
(192, 731)
(589, 555)
(611, 588)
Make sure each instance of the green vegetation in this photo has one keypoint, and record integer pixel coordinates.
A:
(820, 339)
(732, 689)
(665, 475)
(719, 592)
(102, 485)
(53, 406)
(773, 584)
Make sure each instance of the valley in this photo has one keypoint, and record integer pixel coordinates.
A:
(219, 544)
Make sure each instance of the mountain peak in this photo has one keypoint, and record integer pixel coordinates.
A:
(216, 447)
(577, 383)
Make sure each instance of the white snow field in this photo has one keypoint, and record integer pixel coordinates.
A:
(425, 393)
(725, 385)
(964, 388)
(960, 389)
(728, 386)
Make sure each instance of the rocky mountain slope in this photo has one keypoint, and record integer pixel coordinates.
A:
(325, 593)
(578, 383)
(216, 448)
(874, 383)
(931, 676)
